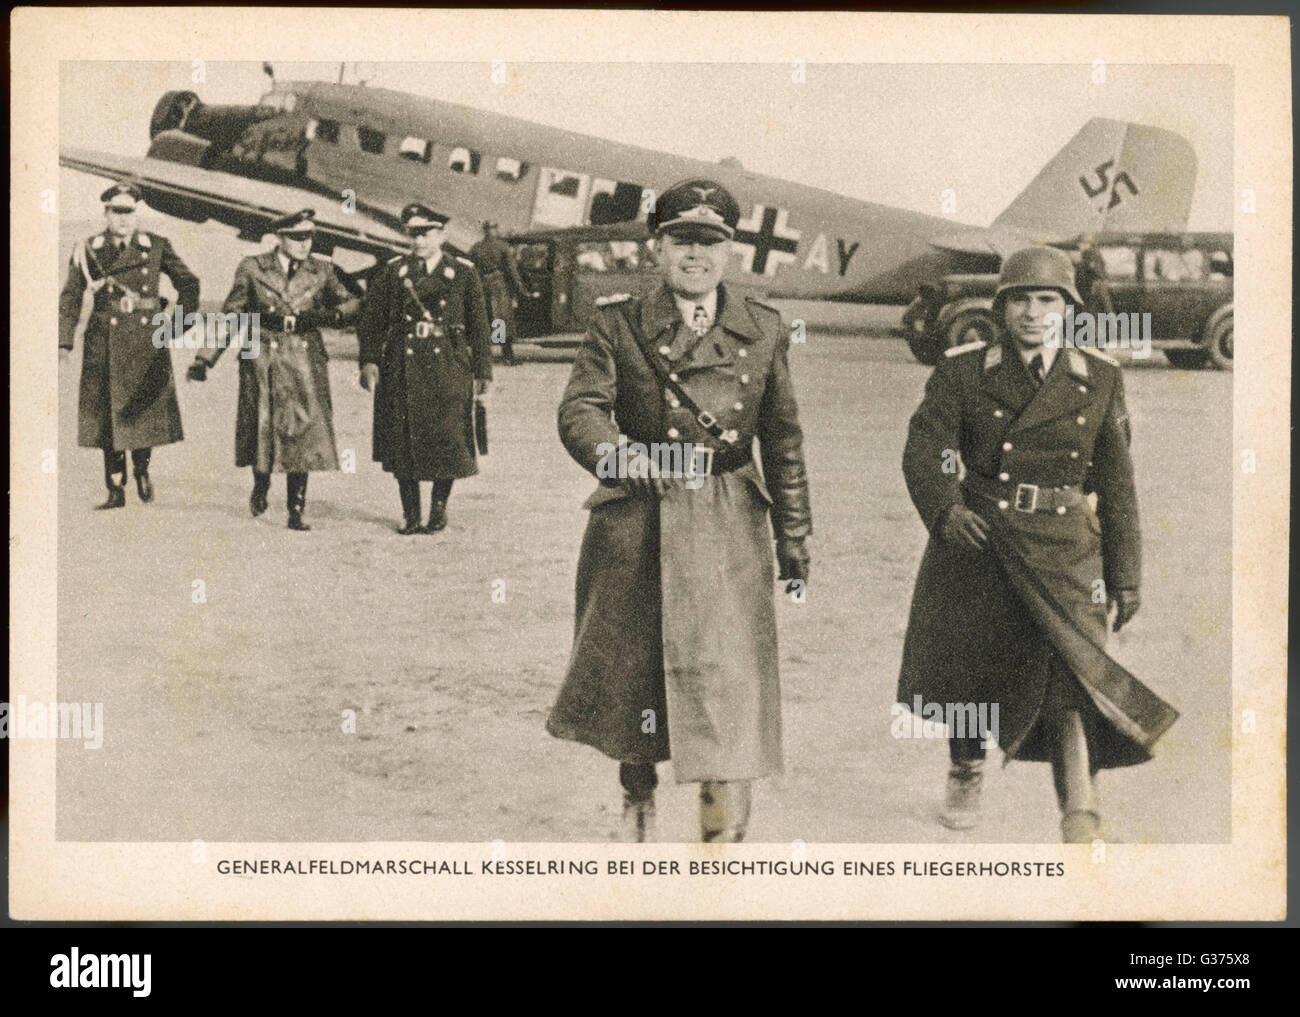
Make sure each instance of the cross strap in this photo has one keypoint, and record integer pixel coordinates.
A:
(668, 379)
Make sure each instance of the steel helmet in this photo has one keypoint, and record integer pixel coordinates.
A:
(1036, 268)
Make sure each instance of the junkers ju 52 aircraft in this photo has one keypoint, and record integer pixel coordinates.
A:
(370, 151)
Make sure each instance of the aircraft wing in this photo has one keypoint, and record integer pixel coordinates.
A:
(197, 194)
(995, 241)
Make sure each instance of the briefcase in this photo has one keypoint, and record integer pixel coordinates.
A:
(480, 427)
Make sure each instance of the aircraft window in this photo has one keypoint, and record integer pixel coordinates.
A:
(1121, 262)
(323, 130)
(371, 141)
(463, 160)
(285, 101)
(511, 170)
(416, 149)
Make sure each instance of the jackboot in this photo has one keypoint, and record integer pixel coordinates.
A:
(140, 463)
(114, 479)
(438, 509)
(724, 811)
(261, 487)
(638, 817)
(409, 491)
(297, 500)
(1075, 788)
(961, 801)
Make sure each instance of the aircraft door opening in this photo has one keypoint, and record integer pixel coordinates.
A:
(561, 198)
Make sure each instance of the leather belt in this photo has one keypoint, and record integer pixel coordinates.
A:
(288, 323)
(1025, 497)
(128, 304)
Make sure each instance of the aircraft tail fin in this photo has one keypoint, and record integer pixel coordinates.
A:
(1113, 176)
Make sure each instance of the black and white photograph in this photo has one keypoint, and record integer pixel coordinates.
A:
(790, 465)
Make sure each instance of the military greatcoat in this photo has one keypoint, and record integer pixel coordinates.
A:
(995, 625)
(428, 332)
(675, 628)
(128, 392)
(285, 418)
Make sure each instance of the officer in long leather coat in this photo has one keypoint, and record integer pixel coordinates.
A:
(675, 630)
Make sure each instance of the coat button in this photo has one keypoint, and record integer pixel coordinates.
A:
(1083, 388)
(408, 317)
(437, 349)
(744, 379)
(144, 289)
(1004, 505)
(674, 433)
(1004, 477)
(1060, 510)
(144, 321)
(998, 414)
(672, 377)
(442, 303)
(409, 351)
(275, 345)
(1006, 446)
(737, 406)
(663, 350)
(112, 321)
(742, 352)
(1080, 420)
(1074, 454)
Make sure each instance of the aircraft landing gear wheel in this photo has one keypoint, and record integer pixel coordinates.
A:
(1185, 360)
(1220, 344)
(969, 326)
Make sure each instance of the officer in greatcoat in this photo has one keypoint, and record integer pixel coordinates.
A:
(502, 284)
(423, 333)
(675, 629)
(128, 393)
(1021, 572)
(285, 419)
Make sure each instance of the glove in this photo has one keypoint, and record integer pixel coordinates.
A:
(197, 371)
(369, 376)
(1126, 604)
(794, 561)
(965, 528)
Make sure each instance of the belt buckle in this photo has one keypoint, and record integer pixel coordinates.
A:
(291, 323)
(1026, 497)
(423, 329)
(127, 304)
(706, 419)
(701, 461)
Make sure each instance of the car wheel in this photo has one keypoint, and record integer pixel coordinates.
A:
(1185, 360)
(1219, 342)
(969, 326)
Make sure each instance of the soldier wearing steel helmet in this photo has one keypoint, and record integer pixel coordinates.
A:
(1021, 573)
(674, 649)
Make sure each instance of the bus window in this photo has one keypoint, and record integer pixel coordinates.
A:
(415, 149)
(323, 130)
(463, 160)
(592, 256)
(511, 170)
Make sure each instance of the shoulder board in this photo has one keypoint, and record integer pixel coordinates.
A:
(1099, 355)
(465, 261)
(97, 241)
(766, 307)
(971, 347)
(613, 298)
(322, 257)
(143, 239)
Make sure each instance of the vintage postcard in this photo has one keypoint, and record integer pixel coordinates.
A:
(629, 465)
